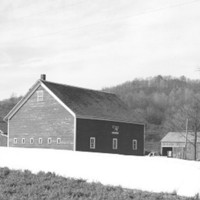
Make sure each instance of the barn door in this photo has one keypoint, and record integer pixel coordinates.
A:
(165, 150)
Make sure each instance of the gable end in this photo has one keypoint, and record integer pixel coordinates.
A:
(22, 101)
(29, 94)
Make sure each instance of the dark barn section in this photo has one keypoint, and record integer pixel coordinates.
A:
(58, 116)
(107, 140)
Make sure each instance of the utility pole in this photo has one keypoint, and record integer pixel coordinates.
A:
(186, 136)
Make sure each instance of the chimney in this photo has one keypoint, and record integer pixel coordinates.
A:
(43, 77)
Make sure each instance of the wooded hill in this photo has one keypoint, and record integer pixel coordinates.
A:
(6, 105)
(156, 101)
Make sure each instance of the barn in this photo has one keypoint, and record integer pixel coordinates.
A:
(180, 145)
(59, 116)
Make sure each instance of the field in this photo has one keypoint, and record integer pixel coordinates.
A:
(24, 185)
(152, 174)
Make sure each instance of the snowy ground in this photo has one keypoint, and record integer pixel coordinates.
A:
(157, 174)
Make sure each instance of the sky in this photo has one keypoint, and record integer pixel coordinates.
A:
(96, 43)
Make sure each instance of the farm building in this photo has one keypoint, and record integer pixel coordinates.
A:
(180, 145)
(58, 116)
(3, 133)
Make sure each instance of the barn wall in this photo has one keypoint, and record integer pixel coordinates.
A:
(103, 132)
(190, 151)
(42, 119)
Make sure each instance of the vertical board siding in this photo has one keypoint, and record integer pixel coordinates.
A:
(42, 119)
(102, 131)
(190, 151)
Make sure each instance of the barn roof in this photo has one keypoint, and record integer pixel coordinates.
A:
(87, 103)
(179, 137)
(3, 127)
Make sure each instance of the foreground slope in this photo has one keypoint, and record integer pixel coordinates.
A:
(48, 186)
(155, 174)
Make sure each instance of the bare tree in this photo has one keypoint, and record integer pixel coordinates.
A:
(187, 119)
(193, 112)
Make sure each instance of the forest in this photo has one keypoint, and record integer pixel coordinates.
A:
(162, 103)
(7, 104)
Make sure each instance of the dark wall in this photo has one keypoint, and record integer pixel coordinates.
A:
(102, 131)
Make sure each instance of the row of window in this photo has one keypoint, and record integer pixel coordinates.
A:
(32, 140)
(114, 143)
(92, 142)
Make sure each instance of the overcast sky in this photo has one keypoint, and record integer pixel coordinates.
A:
(96, 43)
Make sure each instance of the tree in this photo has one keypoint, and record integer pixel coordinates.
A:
(7, 104)
(190, 113)
(154, 115)
(193, 112)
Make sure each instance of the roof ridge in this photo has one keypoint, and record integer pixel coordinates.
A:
(107, 119)
(78, 87)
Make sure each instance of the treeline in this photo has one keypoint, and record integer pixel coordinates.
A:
(157, 100)
(7, 104)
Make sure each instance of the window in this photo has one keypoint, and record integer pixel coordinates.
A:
(15, 140)
(92, 143)
(31, 140)
(115, 129)
(49, 140)
(23, 140)
(134, 144)
(40, 140)
(40, 95)
(58, 140)
(115, 143)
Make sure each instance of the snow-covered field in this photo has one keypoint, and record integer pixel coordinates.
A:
(156, 174)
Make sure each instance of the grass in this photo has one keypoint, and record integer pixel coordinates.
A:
(23, 185)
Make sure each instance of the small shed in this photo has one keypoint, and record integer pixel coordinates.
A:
(180, 145)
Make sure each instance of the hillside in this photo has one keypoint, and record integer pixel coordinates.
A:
(153, 174)
(51, 186)
(6, 105)
(157, 100)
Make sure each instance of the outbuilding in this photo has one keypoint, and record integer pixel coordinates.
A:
(59, 116)
(180, 145)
